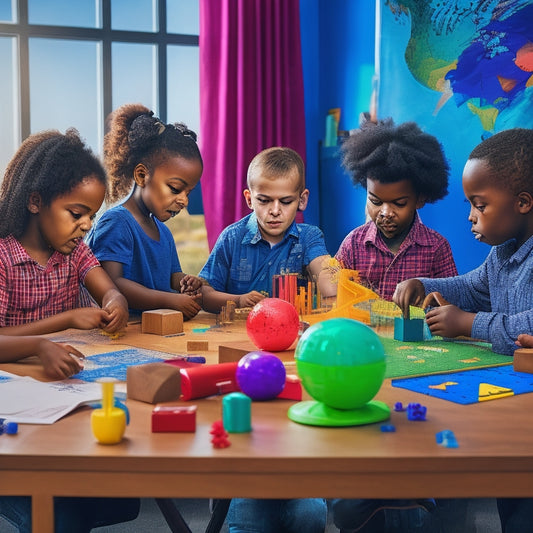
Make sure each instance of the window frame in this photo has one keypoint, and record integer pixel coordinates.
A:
(23, 31)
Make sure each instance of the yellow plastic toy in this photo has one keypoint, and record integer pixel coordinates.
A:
(349, 293)
(108, 423)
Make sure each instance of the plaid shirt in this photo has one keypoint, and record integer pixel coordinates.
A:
(29, 291)
(423, 253)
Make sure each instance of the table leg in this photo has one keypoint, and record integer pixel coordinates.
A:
(42, 513)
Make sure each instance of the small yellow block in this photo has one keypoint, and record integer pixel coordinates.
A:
(197, 346)
(162, 321)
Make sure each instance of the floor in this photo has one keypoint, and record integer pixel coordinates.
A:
(463, 516)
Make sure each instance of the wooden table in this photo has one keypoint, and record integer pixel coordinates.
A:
(279, 458)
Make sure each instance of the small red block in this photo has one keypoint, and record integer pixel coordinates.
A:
(292, 389)
(173, 418)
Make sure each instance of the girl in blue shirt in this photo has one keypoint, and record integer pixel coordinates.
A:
(156, 166)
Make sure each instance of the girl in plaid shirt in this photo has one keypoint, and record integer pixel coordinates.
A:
(51, 191)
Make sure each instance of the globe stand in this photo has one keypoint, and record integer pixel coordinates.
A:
(313, 413)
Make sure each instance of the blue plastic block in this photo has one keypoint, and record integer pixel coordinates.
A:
(387, 428)
(446, 438)
(409, 330)
(415, 411)
(398, 406)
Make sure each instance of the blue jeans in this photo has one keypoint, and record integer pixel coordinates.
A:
(72, 515)
(277, 516)
(369, 516)
(516, 514)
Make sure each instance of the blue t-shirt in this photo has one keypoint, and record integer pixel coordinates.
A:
(242, 261)
(118, 237)
(500, 292)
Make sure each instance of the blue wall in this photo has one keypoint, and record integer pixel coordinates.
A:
(338, 58)
(338, 55)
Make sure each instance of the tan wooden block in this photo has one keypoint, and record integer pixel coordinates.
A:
(162, 322)
(153, 382)
(231, 352)
(197, 346)
(523, 360)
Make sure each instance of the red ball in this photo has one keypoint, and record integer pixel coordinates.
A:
(273, 324)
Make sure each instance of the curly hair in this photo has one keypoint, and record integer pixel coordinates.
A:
(136, 136)
(509, 155)
(276, 161)
(389, 153)
(48, 163)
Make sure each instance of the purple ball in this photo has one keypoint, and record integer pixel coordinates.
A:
(260, 375)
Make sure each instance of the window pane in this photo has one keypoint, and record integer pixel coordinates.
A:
(9, 110)
(183, 85)
(66, 87)
(183, 17)
(80, 14)
(183, 94)
(8, 9)
(134, 75)
(134, 16)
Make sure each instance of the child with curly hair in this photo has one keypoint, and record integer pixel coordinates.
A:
(402, 169)
(154, 166)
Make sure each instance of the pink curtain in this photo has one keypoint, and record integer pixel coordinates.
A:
(251, 96)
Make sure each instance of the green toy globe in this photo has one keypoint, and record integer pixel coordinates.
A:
(341, 363)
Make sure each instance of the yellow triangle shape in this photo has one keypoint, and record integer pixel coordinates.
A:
(443, 386)
(493, 392)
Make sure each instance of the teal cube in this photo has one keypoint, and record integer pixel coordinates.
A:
(410, 330)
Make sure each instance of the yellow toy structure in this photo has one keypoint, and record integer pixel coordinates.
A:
(108, 423)
(349, 293)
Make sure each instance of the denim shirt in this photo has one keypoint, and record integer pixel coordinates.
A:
(499, 291)
(242, 261)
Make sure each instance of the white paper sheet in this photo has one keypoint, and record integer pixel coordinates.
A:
(28, 401)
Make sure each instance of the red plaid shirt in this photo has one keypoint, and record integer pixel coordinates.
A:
(423, 253)
(29, 291)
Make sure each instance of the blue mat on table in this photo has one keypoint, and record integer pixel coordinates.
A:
(470, 386)
(115, 364)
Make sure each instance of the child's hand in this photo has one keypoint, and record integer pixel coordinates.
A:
(525, 340)
(87, 318)
(60, 361)
(190, 284)
(450, 321)
(250, 299)
(408, 292)
(188, 305)
(117, 313)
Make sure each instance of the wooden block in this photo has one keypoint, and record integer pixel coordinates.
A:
(233, 351)
(409, 330)
(154, 382)
(523, 360)
(162, 322)
(197, 346)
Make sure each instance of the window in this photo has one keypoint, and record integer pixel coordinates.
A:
(68, 64)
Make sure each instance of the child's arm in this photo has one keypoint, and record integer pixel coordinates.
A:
(409, 292)
(81, 318)
(321, 269)
(141, 297)
(57, 359)
(108, 296)
(214, 300)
